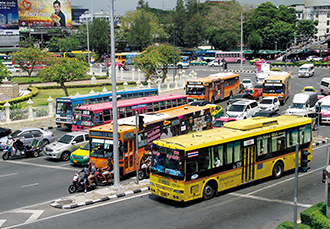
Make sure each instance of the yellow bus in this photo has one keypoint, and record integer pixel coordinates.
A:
(213, 87)
(277, 84)
(199, 165)
(125, 57)
(161, 124)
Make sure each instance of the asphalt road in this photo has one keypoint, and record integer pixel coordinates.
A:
(28, 185)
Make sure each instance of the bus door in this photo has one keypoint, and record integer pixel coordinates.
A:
(218, 90)
(129, 156)
(140, 109)
(248, 163)
(98, 118)
(207, 92)
(222, 90)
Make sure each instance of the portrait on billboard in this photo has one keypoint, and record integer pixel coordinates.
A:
(45, 13)
(8, 17)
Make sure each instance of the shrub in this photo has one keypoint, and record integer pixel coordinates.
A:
(319, 220)
(276, 69)
(290, 225)
(306, 215)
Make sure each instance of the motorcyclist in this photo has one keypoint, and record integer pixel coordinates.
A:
(85, 170)
(108, 170)
(147, 162)
(92, 173)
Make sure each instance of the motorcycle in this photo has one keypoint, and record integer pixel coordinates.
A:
(108, 176)
(78, 183)
(142, 173)
(17, 149)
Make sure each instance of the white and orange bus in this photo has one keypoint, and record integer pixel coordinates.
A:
(277, 84)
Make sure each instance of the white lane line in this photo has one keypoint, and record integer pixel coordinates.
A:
(7, 175)
(35, 214)
(38, 165)
(2, 221)
(29, 185)
(269, 200)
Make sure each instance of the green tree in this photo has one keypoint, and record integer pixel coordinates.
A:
(98, 35)
(140, 35)
(179, 21)
(4, 72)
(27, 42)
(62, 70)
(254, 42)
(29, 57)
(305, 29)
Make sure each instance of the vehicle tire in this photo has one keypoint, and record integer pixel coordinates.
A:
(278, 170)
(193, 64)
(141, 174)
(208, 191)
(72, 189)
(212, 65)
(35, 153)
(316, 126)
(65, 156)
(44, 142)
(5, 156)
(179, 66)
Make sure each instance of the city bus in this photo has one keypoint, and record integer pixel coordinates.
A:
(87, 116)
(277, 84)
(65, 105)
(200, 165)
(125, 57)
(207, 55)
(214, 87)
(229, 56)
(158, 125)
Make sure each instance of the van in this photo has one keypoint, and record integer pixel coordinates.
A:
(325, 86)
(306, 70)
(302, 101)
(242, 109)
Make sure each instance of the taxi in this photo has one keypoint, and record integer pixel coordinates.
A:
(216, 110)
(309, 88)
(81, 155)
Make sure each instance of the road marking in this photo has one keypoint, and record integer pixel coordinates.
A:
(35, 214)
(270, 200)
(38, 165)
(29, 185)
(9, 174)
(2, 221)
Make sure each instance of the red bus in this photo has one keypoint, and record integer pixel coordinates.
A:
(87, 116)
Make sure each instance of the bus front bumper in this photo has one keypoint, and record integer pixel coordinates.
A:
(166, 192)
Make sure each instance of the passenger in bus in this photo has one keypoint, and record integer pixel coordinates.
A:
(216, 161)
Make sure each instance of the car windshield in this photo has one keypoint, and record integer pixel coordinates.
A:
(15, 133)
(66, 139)
(248, 92)
(236, 108)
(266, 101)
(197, 103)
(303, 69)
(218, 123)
(86, 146)
(167, 162)
(258, 85)
(261, 114)
(298, 105)
(246, 81)
(237, 96)
(308, 89)
(325, 108)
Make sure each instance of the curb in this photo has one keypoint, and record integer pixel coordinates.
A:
(127, 193)
(51, 127)
(326, 140)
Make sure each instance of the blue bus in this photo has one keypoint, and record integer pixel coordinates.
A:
(65, 105)
(207, 55)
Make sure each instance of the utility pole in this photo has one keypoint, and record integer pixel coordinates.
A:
(241, 40)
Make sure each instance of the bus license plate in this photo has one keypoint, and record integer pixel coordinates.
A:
(164, 194)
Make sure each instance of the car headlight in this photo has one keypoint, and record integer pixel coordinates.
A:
(240, 115)
(152, 184)
(85, 157)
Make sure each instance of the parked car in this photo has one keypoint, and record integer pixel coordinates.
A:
(81, 155)
(216, 110)
(12, 69)
(243, 109)
(199, 103)
(215, 63)
(313, 58)
(239, 97)
(265, 113)
(259, 87)
(27, 135)
(219, 122)
(198, 62)
(68, 143)
(252, 91)
(271, 103)
(4, 132)
(247, 83)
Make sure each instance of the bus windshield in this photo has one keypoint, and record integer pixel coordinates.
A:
(167, 162)
(325, 108)
(273, 88)
(63, 108)
(82, 116)
(194, 90)
(101, 148)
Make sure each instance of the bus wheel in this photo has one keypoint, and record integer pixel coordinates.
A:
(230, 94)
(278, 170)
(209, 191)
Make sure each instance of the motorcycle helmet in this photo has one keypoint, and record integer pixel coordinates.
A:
(89, 163)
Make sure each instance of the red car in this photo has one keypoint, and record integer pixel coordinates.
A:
(259, 88)
(252, 91)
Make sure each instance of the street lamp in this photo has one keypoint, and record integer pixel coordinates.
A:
(88, 42)
(318, 117)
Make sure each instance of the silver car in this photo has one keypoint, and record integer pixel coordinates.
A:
(68, 143)
(26, 135)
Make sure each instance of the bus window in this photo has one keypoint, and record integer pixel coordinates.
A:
(305, 134)
(291, 137)
(168, 104)
(129, 96)
(153, 93)
(237, 151)
(129, 111)
(162, 105)
(149, 107)
(204, 159)
(106, 115)
(92, 101)
(146, 94)
(130, 145)
(219, 154)
(125, 146)
(184, 101)
(179, 102)
(262, 145)
(173, 102)
(141, 95)
(192, 167)
(121, 112)
(229, 153)
(99, 100)
(135, 95)
(156, 106)
(124, 96)
(278, 141)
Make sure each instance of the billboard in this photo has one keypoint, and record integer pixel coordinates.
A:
(44, 13)
(8, 17)
(309, 3)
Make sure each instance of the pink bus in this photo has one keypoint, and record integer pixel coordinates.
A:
(87, 116)
(230, 57)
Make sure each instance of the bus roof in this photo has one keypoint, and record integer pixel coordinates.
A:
(216, 76)
(277, 76)
(129, 122)
(233, 131)
(130, 102)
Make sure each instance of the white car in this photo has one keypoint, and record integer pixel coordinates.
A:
(313, 58)
(269, 104)
(243, 109)
(215, 63)
(180, 65)
(12, 69)
(247, 83)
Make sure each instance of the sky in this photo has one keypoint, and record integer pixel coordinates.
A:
(122, 6)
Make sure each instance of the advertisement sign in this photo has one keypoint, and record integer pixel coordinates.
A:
(44, 13)
(309, 3)
(8, 17)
